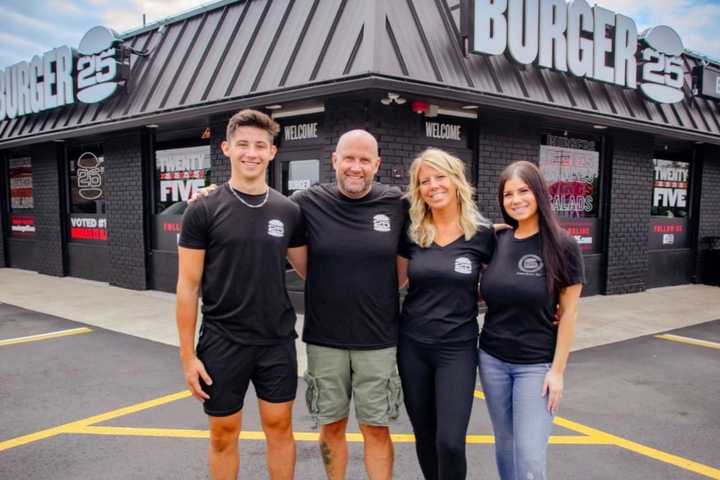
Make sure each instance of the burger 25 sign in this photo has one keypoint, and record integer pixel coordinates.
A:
(92, 73)
(591, 42)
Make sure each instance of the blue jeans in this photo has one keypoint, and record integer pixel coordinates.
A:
(518, 411)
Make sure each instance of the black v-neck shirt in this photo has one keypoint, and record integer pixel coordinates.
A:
(351, 291)
(518, 324)
(441, 303)
(243, 285)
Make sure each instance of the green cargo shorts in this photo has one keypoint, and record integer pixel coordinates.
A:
(335, 375)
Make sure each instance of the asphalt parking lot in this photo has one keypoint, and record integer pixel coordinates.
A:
(83, 402)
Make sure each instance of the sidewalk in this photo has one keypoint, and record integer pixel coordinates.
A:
(151, 315)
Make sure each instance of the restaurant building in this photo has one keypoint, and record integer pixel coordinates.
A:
(102, 143)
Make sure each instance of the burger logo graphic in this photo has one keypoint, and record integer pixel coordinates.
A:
(662, 77)
(98, 66)
(463, 265)
(276, 228)
(381, 223)
(89, 176)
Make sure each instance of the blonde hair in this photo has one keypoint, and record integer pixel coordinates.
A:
(422, 230)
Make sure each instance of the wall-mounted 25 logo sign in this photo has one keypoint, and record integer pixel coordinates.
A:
(97, 66)
(662, 69)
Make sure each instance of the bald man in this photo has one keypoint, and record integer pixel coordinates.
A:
(351, 300)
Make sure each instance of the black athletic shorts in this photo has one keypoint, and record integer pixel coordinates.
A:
(272, 369)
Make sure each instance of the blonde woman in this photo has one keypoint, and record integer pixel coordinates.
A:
(447, 243)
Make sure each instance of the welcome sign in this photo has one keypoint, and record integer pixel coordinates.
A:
(92, 73)
(590, 42)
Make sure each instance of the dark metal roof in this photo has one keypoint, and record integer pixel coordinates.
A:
(237, 53)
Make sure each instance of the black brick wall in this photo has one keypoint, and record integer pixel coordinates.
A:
(501, 142)
(631, 174)
(709, 211)
(48, 198)
(4, 227)
(126, 193)
(220, 171)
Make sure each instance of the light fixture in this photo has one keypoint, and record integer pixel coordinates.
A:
(59, 140)
(152, 125)
(469, 107)
(273, 107)
(599, 127)
(393, 98)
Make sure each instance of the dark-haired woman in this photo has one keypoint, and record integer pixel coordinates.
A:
(535, 267)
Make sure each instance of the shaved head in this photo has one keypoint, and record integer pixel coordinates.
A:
(355, 137)
(356, 161)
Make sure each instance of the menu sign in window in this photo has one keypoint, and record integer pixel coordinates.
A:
(670, 188)
(21, 186)
(180, 172)
(573, 179)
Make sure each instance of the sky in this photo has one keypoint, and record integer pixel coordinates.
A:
(30, 27)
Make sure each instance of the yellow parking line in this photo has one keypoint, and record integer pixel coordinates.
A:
(299, 436)
(68, 427)
(653, 453)
(45, 336)
(689, 341)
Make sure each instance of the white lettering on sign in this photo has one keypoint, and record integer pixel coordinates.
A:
(443, 131)
(302, 131)
(179, 190)
(49, 81)
(302, 184)
(588, 42)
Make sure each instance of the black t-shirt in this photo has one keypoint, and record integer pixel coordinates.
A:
(351, 292)
(441, 303)
(243, 284)
(518, 324)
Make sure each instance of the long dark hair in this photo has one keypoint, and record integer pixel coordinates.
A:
(552, 236)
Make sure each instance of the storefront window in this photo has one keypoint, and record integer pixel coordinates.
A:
(670, 205)
(22, 220)
(21, 187)
(670, 188)
(180, 172)
(571, 167)
(299, 175)
(88, 222)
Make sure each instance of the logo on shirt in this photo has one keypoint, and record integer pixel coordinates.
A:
(530, 265)
(276, 228)
(463, 265)
(381, 223)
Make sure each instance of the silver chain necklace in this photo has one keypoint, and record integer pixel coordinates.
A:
(250, 205)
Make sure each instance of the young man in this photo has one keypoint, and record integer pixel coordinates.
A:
(232, 253)
(351, 299)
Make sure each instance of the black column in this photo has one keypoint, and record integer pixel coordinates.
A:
(4, 181)
(708, 213)
(630, 197)
(500, 143)
(220, 164)
(126, 199)
(48, 185)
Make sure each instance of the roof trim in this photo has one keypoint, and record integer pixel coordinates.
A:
(371, 82)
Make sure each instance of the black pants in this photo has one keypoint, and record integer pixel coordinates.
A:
(438, 384)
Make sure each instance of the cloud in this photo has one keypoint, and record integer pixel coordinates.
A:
(8, 39)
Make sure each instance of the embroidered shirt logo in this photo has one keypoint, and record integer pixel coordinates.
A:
(463, 265)
(381, 223)
(276, 228)
(530, 265)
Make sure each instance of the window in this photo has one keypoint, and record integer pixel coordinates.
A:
(299, 175)
(670, 188)
(21, 186)
(571, 167)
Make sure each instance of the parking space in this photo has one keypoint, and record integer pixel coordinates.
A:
(105, 405)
